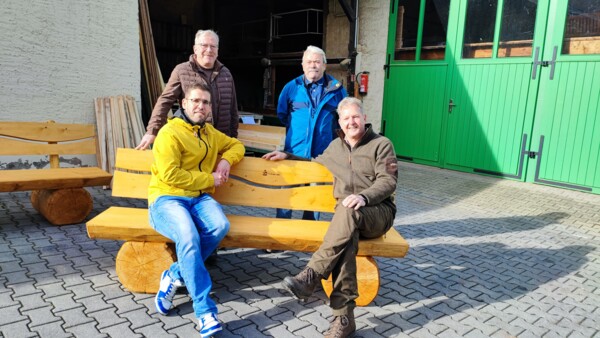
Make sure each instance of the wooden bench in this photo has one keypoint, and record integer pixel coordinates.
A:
(253, 182)
(261, 138)
(58, 193)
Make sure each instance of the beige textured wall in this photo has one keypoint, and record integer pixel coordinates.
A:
(372, 39)
(371, 48)
(336, 40)
(57, 56)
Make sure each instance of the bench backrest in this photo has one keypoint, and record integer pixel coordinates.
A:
(261, 137)
(253, 182)
(47, 138)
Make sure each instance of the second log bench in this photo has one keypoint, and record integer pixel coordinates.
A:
(57, 192)
(253, 182)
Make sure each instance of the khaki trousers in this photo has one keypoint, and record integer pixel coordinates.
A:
(337, 254)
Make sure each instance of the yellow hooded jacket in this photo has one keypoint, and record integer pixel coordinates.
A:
(185, 157)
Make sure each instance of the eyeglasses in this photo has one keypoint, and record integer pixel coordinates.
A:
(207, 46)
(198, 101)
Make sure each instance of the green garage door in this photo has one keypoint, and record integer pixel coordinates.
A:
(515, 95)
(414, 110)
(566, 133)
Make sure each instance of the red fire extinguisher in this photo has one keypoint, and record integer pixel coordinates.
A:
(363, 83)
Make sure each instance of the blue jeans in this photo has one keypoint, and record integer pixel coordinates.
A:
(196, 225)
(287, 213)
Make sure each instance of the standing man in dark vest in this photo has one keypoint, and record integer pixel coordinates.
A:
(202, 67)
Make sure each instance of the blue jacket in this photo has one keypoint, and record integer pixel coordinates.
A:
(309, 129)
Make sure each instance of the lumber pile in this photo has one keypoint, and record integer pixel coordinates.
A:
(153, 78)
(119, 126)
(261, 138)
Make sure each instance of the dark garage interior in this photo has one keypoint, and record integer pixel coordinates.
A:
(261, 42)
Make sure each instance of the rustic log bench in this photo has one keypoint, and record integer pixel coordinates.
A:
(253, 182)
(57, 193)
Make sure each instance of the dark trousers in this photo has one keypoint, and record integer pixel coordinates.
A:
(337, 254)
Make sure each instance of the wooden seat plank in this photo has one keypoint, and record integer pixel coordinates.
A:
(53, 178)
(122, 223)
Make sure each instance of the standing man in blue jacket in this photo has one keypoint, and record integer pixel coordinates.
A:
(307, 108)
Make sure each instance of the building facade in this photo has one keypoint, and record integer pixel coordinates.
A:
(513, 95)
(57, 56)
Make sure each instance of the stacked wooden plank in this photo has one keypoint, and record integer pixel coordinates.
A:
(261, 138)
(154, 81)
(119, 126)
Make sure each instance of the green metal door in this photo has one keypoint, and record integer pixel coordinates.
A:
(413, 115)
(566, 133)
(491, 92)
(508, 88)
(457, 94)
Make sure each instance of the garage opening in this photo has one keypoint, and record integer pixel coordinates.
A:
(261, 42)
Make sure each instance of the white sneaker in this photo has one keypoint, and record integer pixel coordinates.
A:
(209, 325)
(164, 298)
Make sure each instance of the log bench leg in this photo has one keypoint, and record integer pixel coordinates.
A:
(62, 206)
(139, 264)
(367, 274)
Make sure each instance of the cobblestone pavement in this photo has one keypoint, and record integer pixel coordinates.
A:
(488, 258)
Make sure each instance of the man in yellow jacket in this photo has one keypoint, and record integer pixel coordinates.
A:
(185, 171)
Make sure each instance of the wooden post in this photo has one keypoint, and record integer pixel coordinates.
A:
(139, 264)
(62, 206)
(367, 275)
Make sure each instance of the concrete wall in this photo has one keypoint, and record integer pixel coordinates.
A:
(57, 56)
(336, 40)
(372, 47)
(372, 43)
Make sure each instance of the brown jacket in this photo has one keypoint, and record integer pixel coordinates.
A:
(367, 169)
(224, 101)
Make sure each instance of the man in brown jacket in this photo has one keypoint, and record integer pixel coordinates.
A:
(365, 169)
(202, 67)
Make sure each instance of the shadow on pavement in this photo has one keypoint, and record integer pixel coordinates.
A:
(473, 227)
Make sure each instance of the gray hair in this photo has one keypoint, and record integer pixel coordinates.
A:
(201, 32)
(349, 101)
(314, 50)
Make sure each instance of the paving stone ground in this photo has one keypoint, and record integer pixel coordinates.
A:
(488, 258)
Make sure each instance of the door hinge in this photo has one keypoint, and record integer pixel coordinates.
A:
(542, 63)
(386, 67)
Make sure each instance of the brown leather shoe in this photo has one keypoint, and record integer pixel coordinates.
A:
(303, 284)
(341, 327)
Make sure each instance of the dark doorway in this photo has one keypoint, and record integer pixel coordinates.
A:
(261, 41)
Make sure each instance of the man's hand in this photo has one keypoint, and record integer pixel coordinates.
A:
(223, 169)
(219, 179)
(146, 141)
(275, 156)
(354, 201)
